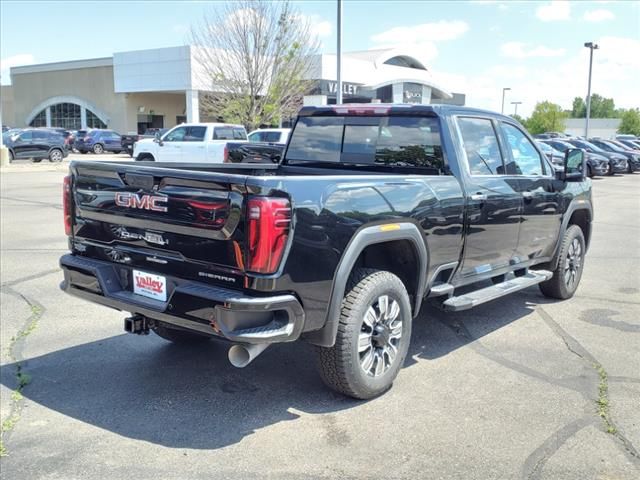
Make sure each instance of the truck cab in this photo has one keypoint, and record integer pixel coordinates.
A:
(191, 143)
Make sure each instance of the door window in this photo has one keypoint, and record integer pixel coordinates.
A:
(272, 137)
(195, 134)
(39, 136)
(176, 135)
(525, 159)
(256, 137)
(481, 146)
(25, 137)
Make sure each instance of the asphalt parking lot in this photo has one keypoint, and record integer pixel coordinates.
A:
(519, 388)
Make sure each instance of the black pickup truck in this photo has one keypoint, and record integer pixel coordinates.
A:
(372, 210)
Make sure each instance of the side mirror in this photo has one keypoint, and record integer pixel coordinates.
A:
(574, 164)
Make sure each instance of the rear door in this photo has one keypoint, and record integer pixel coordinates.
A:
(542, 214)
(494, 202)
(162, 221)
(41, 141)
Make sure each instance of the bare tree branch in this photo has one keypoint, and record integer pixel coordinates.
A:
(253, 60)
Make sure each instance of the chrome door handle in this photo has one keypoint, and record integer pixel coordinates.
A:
(478, 197)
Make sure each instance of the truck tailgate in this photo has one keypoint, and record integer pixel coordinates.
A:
(161, 219)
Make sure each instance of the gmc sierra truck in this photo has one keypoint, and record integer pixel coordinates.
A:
(372, 210)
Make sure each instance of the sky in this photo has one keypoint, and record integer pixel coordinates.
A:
(535, 48)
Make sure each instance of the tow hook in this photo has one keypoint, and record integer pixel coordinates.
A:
(136, 324)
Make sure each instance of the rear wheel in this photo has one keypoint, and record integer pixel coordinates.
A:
(98, 149)
(176, 335)
(566, 276)
(373, 336)
(56, 155)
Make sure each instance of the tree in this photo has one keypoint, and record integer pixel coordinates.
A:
(546, 117)
(630, 123)
(579, 109)
(254, 58)
(601, 107)
(518, 118)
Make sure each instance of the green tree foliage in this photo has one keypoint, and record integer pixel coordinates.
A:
(601, 107)
(579, 109)
(518, 118)
(546, 117)
(255, 57)
(630, 123)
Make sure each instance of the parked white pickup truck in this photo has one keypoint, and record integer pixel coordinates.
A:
(191, 143)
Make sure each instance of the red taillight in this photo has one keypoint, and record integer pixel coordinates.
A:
(268, 221)
(225, 154)
(67, 204)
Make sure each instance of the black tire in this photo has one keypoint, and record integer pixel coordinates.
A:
(176, 335)
(629, 167)
(11, 156)
(83, 152)
(36, 160)
(56, 155)
(98, 149)
(145, 157)
(610, 171)
(343, 366)
(570, 263)
(589, 171)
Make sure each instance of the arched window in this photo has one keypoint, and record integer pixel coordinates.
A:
(39, 120)
(67, 115)
(93, 121)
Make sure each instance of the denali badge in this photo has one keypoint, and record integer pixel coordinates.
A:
(141, 201)
(150, 237)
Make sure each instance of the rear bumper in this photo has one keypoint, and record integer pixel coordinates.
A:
(230, 314)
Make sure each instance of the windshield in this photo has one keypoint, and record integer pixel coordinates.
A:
(615, 147)
(562, 146)
(587, 146)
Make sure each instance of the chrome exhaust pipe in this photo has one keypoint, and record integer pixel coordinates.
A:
(242, 354)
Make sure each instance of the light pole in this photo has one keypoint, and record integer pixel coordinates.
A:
(591, 46)
(503, 92)
(515, 107)
(339, 56)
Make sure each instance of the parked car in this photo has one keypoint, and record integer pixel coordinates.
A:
(191, 143)
(5, 128)
(128, 141)
(627, 137)
(36, 144)
(373, 210)
(632, 144)
(270, 135)
(99, 141)
(611, 146)
(617, 162)
(556, 157)
(67, 134)
(548, 135)
(596, 164)
(254, 152)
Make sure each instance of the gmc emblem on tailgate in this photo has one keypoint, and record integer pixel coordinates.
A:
(141, 201)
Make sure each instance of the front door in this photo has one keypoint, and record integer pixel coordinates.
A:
(170, 150)
(23, 145)
(194, 145)
(494, 204)
(542, 215)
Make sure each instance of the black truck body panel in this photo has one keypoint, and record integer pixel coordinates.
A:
(457, 228)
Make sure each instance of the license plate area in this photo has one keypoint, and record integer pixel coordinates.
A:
(150, 285)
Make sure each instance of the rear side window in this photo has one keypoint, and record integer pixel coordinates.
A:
(40, 135)
(272, 137)
(382, 141)
(481, 146)
(239, 134)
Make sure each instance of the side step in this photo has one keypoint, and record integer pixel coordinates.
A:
(477, 297)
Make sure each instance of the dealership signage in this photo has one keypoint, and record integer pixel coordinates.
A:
(329, 87)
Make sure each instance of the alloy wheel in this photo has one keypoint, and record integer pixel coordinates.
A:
(572, 264)
(380, 336)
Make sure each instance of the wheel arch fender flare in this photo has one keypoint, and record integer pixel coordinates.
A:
(366, 236)
(574, 206)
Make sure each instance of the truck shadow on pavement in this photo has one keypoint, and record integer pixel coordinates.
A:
(191, 397)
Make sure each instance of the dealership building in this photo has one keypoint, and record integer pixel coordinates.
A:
(135, 90)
